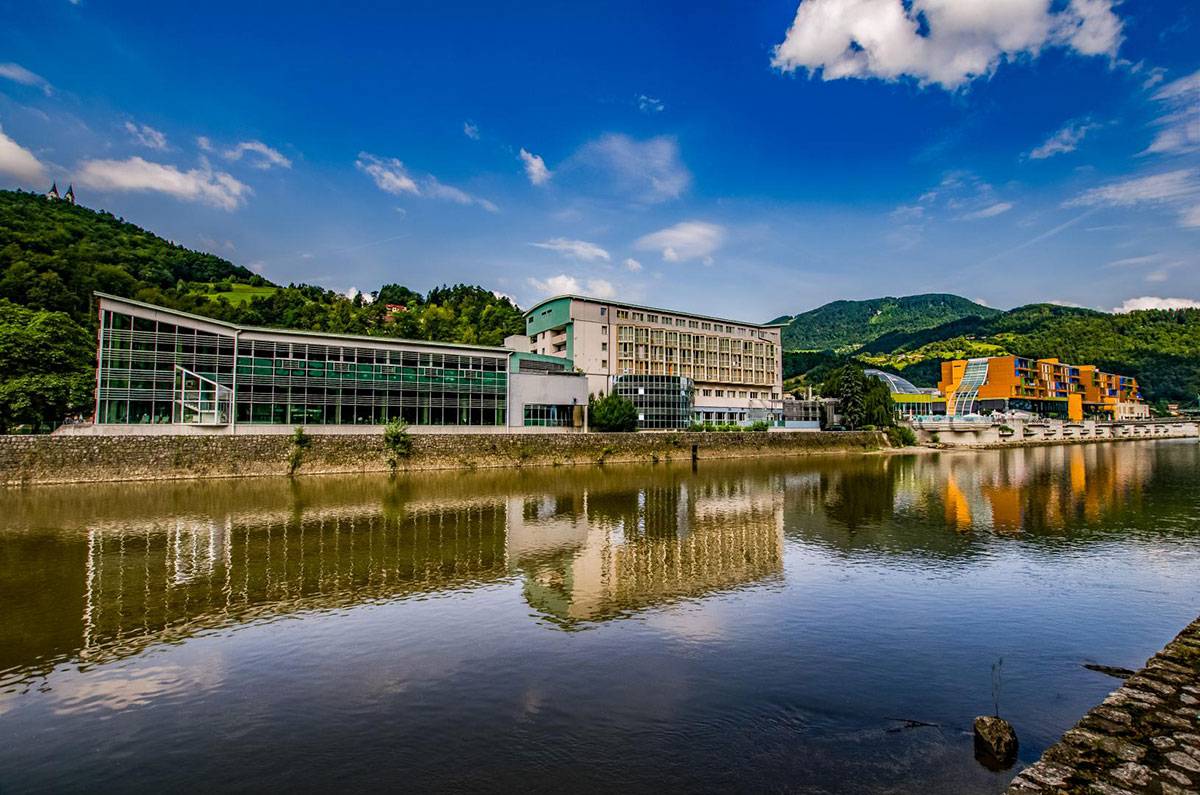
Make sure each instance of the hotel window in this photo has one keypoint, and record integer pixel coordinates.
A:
(622, 314)
(693, 324)
(706, 392)
(651, 318)
(720, 393)
(604, 346)
(604, 330)
(603, 311)
(639, 317)
(604, 364)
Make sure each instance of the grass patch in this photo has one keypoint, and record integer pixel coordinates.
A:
(238, 293)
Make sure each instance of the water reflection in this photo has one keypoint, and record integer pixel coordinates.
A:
(90, 575)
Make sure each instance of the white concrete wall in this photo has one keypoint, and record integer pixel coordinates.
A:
(549, 389)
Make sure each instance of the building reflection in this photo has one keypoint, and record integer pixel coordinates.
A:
(620, 551)
(162, 581)
(588, 551)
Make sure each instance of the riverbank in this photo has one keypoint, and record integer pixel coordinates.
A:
(1145, 737)
(38, 460)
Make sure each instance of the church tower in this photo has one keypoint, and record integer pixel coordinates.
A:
(70, 194)
(53, 192)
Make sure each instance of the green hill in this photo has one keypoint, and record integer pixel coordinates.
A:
(54, 254)
(1161, 348)
(847, 325)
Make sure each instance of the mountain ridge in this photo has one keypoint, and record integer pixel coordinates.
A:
(844, 325)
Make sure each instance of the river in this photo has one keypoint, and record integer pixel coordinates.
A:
(743, 625)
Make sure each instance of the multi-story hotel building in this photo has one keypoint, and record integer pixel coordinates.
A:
(1046, 387)
(676, 366)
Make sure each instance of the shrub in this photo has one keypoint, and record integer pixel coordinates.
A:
(613, 413)
(901, 436)
(759, 426)
(1006, 429)
(397, 443)
(301, 441)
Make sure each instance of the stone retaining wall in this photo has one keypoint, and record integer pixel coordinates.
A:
(1145, 737)
(95, 459)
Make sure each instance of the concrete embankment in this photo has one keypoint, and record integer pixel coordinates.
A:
(31, 460)
(979, 432)
(1145, 737)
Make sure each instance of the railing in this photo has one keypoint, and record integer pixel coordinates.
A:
(200, 400)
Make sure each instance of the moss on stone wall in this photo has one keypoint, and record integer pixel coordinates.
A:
(97, 459)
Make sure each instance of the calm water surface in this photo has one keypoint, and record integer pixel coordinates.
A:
(747, 625)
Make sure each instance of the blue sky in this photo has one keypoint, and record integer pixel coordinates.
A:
(747, 159)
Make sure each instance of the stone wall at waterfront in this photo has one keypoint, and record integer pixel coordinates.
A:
(1145, 737)
(97, 459)
(982, 432)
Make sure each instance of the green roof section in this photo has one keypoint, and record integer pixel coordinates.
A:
(642, 308)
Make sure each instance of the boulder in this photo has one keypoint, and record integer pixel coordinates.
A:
(995, 742)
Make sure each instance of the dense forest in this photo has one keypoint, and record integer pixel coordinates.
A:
(54, 255)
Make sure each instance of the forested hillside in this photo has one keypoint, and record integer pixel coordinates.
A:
(54, 255)
(846, 325)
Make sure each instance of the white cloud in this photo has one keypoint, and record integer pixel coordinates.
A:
(579, 249)
(647, 104)
(938, 42)
(19, 74)
(1065, 140)
(19, 162)
(215, 188)
(1178, 190)
(535, 168)
(991, 211)
(146, 135)
(1127, 262)
(204, 144)
(262, 156)
(1190, 217)
(389, 174)
(564, 284)
(471, 130)
(440, 190)
(1179, 126)
(600, 288)
(1152, 302)
(556, 285)
(1070, 304)
(651, 170)
(684, 241)
(632, 265)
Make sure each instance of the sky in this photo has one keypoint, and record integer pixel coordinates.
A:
(738, 159)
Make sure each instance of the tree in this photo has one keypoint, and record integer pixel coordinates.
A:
(46, 362)
(612, 412)
(851, 393)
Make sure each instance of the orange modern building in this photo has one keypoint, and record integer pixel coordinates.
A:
(1045, 387)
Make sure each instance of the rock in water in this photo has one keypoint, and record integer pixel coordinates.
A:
(995, 742)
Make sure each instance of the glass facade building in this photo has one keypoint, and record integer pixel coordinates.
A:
(662, 401)
(160, 366)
